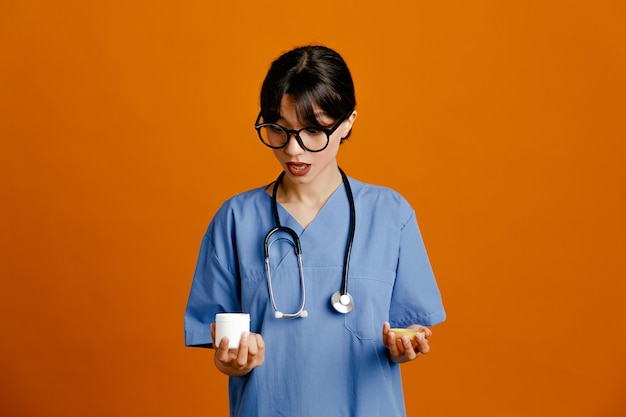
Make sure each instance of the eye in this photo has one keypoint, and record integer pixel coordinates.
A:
(276, 128)
(312, 131)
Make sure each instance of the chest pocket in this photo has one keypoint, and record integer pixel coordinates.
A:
(371, 293)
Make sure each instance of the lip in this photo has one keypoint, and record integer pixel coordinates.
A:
(298, 169)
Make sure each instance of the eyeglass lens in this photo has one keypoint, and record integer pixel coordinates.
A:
(276, 136)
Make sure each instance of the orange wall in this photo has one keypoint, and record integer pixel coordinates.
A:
(123, 126)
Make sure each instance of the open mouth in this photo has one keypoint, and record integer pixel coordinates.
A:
(298, 168)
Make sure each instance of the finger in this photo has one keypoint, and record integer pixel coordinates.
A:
(386, 333)
(403, 343)
(213, 333)
(256, 350)
(222, 350)
(253, 348)
(242, 353)
(393, 344)
(425, 331)
(409, 351)
(260, 343)
(422, 344)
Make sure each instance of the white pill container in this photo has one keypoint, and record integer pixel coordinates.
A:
(231, 325)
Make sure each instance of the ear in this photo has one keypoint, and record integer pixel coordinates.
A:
(347, 128)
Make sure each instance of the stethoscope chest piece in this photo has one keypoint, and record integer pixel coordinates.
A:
(343, 303)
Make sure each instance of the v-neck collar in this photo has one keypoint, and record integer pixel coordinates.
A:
(288, 220)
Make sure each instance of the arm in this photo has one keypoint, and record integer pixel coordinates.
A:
(415, 298)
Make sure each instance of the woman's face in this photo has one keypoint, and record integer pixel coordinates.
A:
(301, 166)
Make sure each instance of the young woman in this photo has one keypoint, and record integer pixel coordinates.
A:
(320, 341)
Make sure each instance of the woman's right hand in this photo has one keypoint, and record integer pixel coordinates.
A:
(239, 362)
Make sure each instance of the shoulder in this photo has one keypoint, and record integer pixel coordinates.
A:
(240, 206)
(373, 190)
(244, 200)
(379, 197)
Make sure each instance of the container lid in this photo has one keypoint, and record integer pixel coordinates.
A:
(232, 317)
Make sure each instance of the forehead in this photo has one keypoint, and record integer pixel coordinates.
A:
(303, 113)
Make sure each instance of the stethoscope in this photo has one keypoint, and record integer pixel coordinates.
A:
(340, 300)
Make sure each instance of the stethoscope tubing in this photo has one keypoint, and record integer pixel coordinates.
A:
(267, 246)
(341, 300)
(346, 261)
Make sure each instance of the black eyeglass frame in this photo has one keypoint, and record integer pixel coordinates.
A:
(289, 132)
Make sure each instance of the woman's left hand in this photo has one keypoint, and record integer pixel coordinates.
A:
(405, 349)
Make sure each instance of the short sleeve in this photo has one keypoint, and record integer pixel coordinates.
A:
(215, 287)
(416, 298)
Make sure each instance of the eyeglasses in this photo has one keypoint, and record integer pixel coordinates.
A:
(312, 139)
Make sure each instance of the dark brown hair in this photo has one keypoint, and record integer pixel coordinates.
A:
(313, 75)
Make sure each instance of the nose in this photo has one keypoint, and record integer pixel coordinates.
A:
(293, 146)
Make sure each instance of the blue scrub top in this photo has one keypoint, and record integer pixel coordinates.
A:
(329, 363)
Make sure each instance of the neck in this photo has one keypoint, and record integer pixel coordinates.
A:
(314, 193)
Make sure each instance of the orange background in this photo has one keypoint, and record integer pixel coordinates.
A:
(124, 125)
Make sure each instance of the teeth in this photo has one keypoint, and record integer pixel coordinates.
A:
(298, 167)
